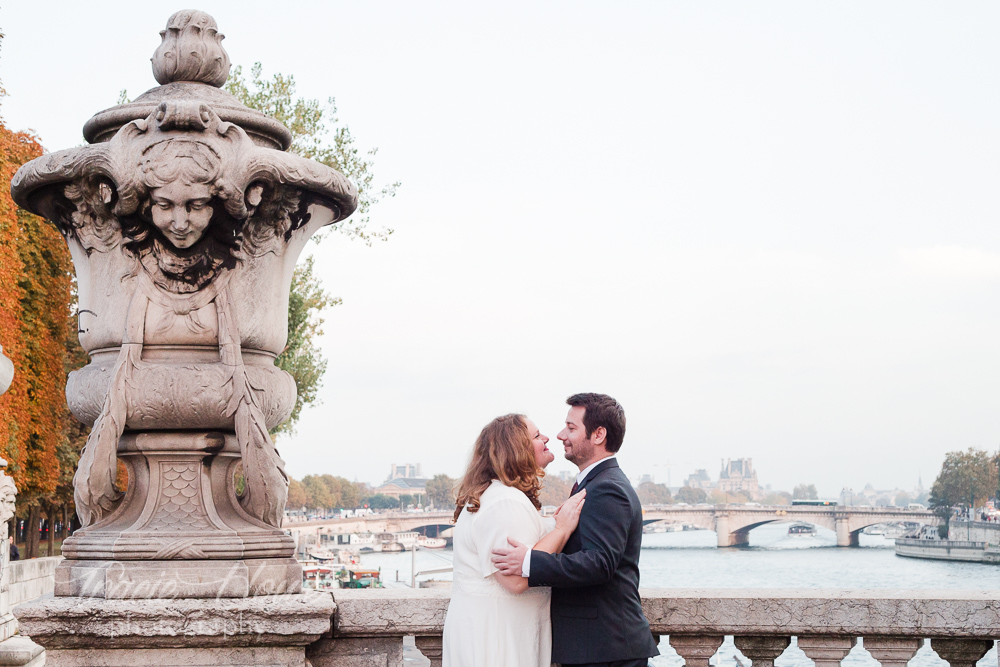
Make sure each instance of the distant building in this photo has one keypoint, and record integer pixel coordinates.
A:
(645, 478)
(404, 480)
(738, 476)
(404, 470)
(566, 476)
(403, 486)
(878, 498)
(699, 480)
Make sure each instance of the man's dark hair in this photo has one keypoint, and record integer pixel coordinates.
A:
(602, 410)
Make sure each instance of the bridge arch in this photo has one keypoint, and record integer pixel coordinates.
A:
(733, 523)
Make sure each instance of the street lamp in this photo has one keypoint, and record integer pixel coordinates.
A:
(972, 510)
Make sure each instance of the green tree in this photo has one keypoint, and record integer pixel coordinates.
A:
(381, 502)
(317, 493)
(350, 494)
(318, 135)
(691, 495)
(805, 492)
(333, 486)
(654, 494)
(301, 357)
(965, 476)
(440, 492)
(717, 497)
(777, 498)
(297, 498)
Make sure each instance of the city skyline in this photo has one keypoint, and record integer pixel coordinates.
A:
(568, 473)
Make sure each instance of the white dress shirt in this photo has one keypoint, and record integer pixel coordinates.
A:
(526, 565)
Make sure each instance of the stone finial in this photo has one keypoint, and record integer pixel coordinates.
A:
(191, 50)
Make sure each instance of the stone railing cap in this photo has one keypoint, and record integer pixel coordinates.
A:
(292, 620)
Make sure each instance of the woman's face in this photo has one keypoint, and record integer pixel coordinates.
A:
(543, 456)
(182, 211)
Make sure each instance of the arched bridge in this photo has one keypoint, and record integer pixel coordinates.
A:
(733, 523)
(433, 524)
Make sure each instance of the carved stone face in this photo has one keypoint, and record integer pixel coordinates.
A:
(182, 211)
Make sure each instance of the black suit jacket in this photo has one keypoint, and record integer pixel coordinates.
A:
(596, 612)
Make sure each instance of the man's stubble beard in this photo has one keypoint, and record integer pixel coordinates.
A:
(580, 453)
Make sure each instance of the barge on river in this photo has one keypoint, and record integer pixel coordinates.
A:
(969, 552)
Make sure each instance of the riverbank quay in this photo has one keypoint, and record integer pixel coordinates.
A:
(957, 550)
(367, 627)
(968, 541)
(975, 531)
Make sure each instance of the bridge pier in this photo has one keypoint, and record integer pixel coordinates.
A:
(845, 537)
(739, 538)
(727, 538)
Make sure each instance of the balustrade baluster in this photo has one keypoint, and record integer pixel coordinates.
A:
(961, 652)
(356, 651)
(892, 651)
(431, 647)
(762, 649)
(825, 650)
(696, 650)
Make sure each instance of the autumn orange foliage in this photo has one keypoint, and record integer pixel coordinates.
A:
(35, 298)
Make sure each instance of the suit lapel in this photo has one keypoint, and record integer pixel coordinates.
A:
(610, 462)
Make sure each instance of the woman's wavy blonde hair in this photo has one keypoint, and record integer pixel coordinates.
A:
(502, 451)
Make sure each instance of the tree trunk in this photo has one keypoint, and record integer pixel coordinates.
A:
(50, 549)
(72, 523)
(31, 535)
(64, 528)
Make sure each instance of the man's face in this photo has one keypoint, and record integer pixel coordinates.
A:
(579, 449)
(182, 211)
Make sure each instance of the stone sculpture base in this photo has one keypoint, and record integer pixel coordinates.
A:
(179, 530)
(180, 504)
(168, 579)
(265, 630)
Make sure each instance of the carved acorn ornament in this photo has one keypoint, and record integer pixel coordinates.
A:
(191, 50)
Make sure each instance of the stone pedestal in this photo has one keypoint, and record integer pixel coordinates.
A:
(179, 531)
(263, 630)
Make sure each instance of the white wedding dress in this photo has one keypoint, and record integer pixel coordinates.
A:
(487, 626)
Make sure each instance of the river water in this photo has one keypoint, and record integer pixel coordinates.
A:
(774, 559)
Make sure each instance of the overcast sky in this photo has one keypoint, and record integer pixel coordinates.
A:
(768, 228)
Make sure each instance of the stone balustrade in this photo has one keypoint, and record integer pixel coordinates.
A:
(362, 628)
(32, 578)
(369, 626)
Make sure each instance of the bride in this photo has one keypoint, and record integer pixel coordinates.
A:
(495, 620)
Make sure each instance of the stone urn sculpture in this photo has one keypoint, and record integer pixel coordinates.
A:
(185, 218)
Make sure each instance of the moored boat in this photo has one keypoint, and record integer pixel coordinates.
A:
(801, 529)
(320, 577)
(431, 542)
(355, 576)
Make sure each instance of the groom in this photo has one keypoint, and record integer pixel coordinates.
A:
(597, 618)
